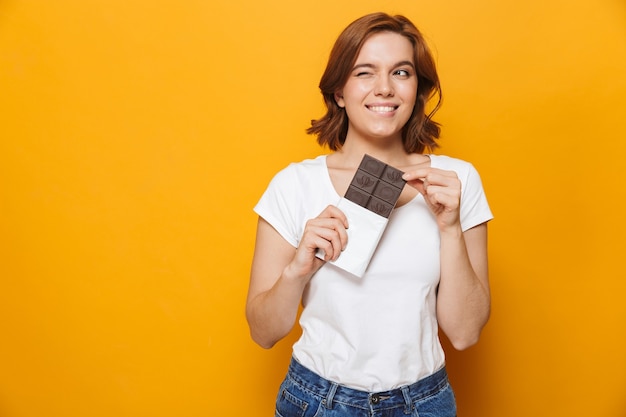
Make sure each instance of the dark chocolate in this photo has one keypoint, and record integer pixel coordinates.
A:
(376, 186)
(357, 196)
(372, 165)
(380, 207)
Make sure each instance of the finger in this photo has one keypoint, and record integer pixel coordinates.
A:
(322, 232)
(434, 174)
(418, 184)
(416, 179)
(333, 218)
(334, 212)
(443, 196)
(337, 238)
(335, 224)
(310, 244)
(330, 248)
(447, 181)
(327, 247)
(415, 174)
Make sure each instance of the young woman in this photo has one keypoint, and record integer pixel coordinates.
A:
(370, 344)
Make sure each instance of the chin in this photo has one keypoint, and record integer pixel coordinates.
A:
(386, 134)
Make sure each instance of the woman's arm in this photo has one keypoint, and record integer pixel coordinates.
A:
(274, 294)
(280, 273)
(463, 298)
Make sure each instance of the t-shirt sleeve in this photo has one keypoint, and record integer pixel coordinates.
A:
(277, 206)
(474, 206)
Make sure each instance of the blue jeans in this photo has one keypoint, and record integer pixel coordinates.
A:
(303, 393)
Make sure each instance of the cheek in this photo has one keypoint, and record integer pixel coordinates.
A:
(409, 92)
(366, 86)
(357, 92)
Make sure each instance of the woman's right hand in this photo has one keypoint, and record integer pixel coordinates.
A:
(326, 232)
(280, 273)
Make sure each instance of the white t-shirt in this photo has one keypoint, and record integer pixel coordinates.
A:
(380, 331)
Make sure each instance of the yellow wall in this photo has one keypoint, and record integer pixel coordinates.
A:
(135, 137)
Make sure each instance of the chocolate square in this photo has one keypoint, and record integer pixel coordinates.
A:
(372, 165)
(387, 192)
(394, 176)
(380, 207)
(364, 181)
(358, 196)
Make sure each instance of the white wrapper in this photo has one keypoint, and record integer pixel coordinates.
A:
(365, 229)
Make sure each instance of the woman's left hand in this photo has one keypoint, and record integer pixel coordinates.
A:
(441, 190)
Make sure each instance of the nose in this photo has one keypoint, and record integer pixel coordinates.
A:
(384, 87)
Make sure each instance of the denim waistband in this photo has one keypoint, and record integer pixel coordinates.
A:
(332, 392)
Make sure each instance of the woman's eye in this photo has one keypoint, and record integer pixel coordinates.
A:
(402, 73)
(362, 74)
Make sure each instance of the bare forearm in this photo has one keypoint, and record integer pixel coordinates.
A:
(272, 314)
(463, 300)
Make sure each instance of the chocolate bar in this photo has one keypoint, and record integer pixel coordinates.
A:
(368, 202)
(376, 186)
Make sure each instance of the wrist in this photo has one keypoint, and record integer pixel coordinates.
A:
(451, 232)
(294, 277)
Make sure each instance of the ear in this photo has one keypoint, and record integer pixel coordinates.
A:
(339, 99)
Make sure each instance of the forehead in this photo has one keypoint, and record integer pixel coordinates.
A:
(385, 46)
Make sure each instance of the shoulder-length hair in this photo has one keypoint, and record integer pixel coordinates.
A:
(420, 132)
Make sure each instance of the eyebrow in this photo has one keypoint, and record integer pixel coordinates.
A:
(399, 64)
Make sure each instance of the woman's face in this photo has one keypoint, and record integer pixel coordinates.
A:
(381, 90)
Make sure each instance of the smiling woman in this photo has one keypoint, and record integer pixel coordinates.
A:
(429, 270)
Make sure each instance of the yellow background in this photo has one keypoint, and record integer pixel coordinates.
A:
(136, 136)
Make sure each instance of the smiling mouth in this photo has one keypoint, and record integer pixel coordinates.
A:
(382, 109)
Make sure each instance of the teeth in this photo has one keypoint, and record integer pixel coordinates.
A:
(382, 108)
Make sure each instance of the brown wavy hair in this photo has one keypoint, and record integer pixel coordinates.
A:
(420, 132)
